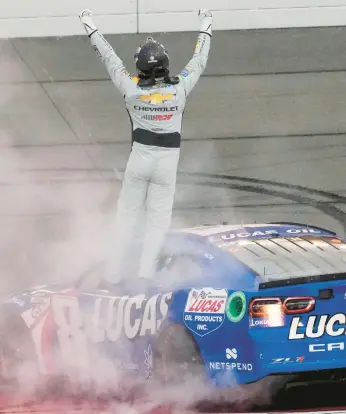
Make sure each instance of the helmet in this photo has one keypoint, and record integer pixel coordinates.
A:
(152, 59)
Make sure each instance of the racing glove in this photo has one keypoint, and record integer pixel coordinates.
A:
(207, 20)
(89, 25)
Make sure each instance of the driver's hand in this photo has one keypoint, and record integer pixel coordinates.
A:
(207, 21)
(86, 18)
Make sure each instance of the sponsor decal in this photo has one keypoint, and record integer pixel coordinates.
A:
(317, 326)
(231, 353)
(200, 45)
(185, 74)
(230, 366)
(16, 301)
(132, 317)
(205, 310)
(39, 298)
(327, 347)
(270, 314)
(40, 302)
(112, 318)
(148, 362)
(126, 366)
(258, 233)
(156, 98)
(236, 307)
(157, 117)
(150, 109)
(97, 51)
(109, 47)
(288, 360)
(259, 322)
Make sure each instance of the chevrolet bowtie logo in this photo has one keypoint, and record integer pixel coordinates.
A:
(156, 98)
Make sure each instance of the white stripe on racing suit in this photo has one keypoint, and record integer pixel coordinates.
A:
(156, 114)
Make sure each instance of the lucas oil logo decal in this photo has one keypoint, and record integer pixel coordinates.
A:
(317, 326)
(268, 232)
(112, 319)
(205, 310)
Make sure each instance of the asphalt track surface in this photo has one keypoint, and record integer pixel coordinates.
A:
(264, 140)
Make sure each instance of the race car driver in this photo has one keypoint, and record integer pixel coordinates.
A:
(155, 102)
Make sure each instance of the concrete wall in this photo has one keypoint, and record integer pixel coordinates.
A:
(37, 18)
(64, 128)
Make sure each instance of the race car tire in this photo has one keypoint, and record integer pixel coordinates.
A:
(18, 363)
(177, 356)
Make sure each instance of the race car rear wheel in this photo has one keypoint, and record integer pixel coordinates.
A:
(177, 356)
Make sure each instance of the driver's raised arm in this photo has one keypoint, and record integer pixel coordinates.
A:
(198, 63)
(114, 65)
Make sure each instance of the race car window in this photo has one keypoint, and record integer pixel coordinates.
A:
(177, 268)
(170, 261)
(164, 262)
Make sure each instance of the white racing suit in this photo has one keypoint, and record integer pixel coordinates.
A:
(149, 183)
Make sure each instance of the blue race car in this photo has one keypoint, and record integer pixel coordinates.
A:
(234, 305)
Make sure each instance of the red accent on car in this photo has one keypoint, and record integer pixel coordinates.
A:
(299, 304)
(259, 307)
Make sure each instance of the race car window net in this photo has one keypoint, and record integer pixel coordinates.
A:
(264, 307)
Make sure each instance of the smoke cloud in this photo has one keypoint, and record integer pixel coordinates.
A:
(51, 232)
(57, 224)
